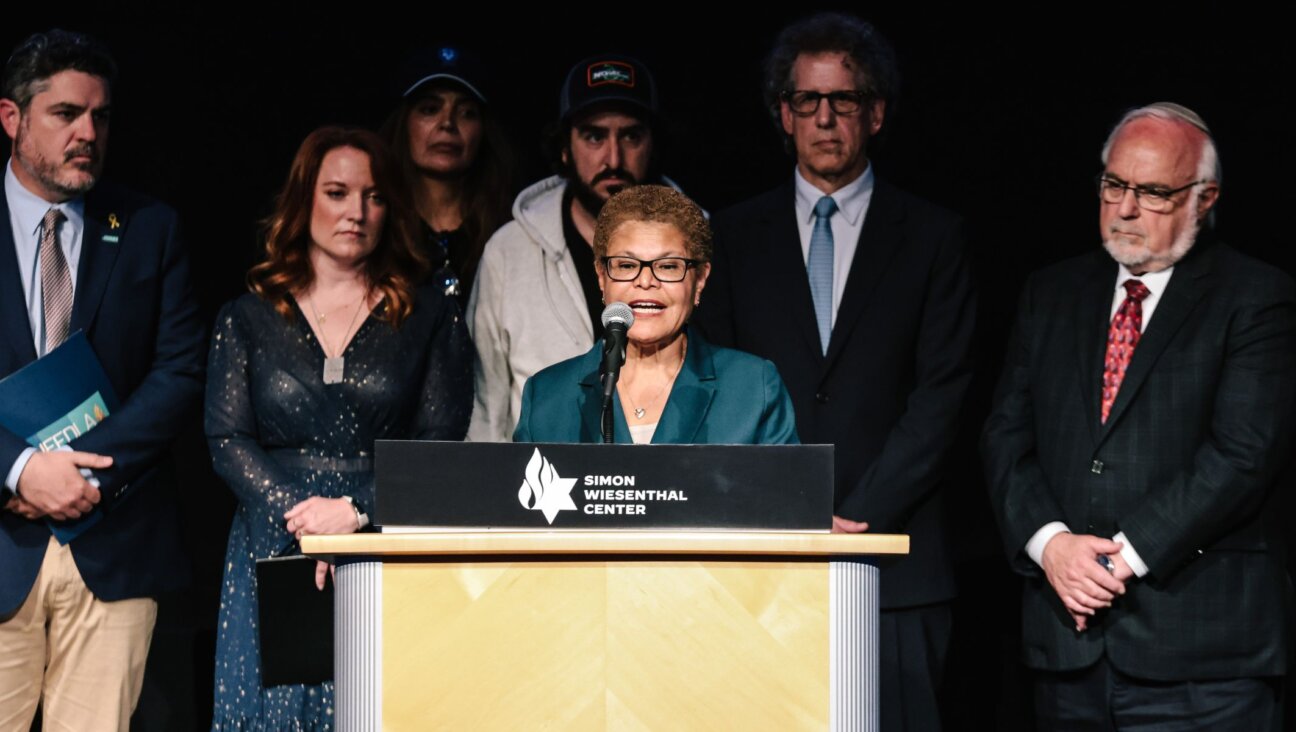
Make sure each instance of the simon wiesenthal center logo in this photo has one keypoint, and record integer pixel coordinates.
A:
(545, 491)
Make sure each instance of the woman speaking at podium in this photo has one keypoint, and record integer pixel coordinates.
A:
(652, 250)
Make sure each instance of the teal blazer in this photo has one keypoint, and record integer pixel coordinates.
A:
(720, 397)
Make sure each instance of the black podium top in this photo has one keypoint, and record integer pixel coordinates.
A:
(576, 486)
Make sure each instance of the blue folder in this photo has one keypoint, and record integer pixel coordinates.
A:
(54, 400)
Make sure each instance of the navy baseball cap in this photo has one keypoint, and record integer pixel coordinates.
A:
(443, 63)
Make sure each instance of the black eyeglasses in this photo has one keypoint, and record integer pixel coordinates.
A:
(1154, 198)
(665, 269)
(806, 103)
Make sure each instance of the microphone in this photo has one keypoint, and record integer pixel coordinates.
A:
(617, 319)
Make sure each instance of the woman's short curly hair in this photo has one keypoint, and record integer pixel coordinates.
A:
(656, 204)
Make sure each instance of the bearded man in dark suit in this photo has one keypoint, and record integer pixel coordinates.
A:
(79, 255)
(1144, 414)
(862, 297)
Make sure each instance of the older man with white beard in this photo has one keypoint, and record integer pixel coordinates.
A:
(1144, 413)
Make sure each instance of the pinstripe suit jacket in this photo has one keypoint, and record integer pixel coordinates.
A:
(1185, 465)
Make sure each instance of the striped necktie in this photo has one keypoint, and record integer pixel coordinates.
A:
(56, 282)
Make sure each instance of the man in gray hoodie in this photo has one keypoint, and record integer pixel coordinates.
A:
(536, 300)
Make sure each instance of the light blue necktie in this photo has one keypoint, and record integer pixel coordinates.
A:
(820, 268)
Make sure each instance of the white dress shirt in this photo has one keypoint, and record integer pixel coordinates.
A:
(852, 206)
(26, 216)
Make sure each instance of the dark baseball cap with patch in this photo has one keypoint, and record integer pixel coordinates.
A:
(443, 63)
(608, 78)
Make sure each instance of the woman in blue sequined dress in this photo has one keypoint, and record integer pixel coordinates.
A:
(335, 347)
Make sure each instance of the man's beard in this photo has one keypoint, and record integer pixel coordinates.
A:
(1139, 258)
(48, 174)
(589, 199)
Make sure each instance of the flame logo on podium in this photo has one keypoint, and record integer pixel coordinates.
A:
(544, 490)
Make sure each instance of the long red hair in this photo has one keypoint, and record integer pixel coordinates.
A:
(396, 265)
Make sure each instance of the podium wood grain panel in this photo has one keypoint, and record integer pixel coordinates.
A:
(490, 646)
(718, 645)
(605, 645)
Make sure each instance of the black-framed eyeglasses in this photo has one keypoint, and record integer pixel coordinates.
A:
(665, 269)
(1157, 199)
(805, 103)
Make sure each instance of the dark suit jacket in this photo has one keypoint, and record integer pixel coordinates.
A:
(135, 302)
(720, 397)
(889, 392)
(1184, 465)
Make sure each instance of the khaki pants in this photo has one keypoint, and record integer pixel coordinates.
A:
(84, 656)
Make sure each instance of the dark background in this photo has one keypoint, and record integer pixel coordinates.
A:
(1000, 118)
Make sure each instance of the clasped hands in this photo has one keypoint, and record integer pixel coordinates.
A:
(1085, 586)
(1071, 563)
(51, 484)
(318, 515)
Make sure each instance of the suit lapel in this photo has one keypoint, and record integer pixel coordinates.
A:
(104, 230)
(787, 265)
(1187, 286)
(686, 406)
(13, 308)
(1091, 320)
(690, 397)
(591, 405)
(880, 239)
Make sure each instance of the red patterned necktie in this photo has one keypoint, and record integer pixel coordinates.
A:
(1122, 337)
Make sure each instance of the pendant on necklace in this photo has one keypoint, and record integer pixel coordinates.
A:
(639, 412)
(333, 368)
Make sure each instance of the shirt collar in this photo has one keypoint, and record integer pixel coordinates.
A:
(28, 209)
(1156, 282)
(852, 199)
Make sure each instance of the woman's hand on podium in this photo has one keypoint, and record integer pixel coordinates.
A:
(317, 515)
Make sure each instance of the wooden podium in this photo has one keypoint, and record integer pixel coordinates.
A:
(602, 630)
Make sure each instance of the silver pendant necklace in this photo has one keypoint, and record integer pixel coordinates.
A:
(335, 366)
